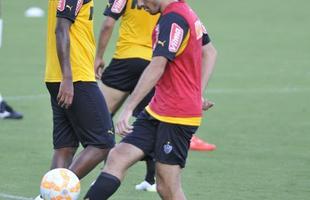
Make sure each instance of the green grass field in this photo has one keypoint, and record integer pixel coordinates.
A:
(260, 123)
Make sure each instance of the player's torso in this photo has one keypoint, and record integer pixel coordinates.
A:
(135, 33)
(178, 92)
(82, 43)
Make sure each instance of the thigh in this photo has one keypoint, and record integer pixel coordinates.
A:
(172, 143)
(123, 74)
(63, 133)
(120, 158)
(114, 97)
(144, 133)
(90, 117)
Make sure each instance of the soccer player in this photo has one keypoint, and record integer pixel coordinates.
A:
(174, 114)
(132, 55)
(7, 112)
(80, 114)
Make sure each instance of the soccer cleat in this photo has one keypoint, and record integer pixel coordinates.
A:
(7, 112)
(39, 197)
(145, 186)
(198, 144)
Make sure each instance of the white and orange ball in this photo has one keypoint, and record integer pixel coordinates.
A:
(60, 184)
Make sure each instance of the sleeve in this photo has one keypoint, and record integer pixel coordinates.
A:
(69, 9)
(205, 37)
(115, 8)
(171, 31)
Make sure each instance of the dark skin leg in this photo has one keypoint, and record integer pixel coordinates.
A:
(63, 157)
(87, 160)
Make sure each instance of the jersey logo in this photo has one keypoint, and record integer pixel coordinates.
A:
(70, 7)
(118, 6)
(162, 43)
(61, 5)
(176, 36)
(78, 6)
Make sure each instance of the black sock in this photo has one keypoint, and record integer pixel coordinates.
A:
(150, 171)
(104, 187)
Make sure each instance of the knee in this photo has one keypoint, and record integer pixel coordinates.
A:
(68, 151)
(112, 160)
(162, 190)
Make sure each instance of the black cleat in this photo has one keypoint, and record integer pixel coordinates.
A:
(7, 112)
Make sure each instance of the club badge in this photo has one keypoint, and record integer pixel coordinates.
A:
(167, 148)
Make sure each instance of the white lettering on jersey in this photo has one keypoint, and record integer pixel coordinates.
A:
(61, 5)
(176, 36)
(118, 6)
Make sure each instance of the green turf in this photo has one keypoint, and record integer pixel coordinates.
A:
(260, 123)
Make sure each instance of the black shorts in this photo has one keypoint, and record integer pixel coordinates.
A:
(87, 121)
(168, 143)
(124, 74)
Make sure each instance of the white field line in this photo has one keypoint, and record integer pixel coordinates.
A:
(210, 91)
(26, 97)
(9, 196)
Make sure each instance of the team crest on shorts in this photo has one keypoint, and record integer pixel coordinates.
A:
(167, 148)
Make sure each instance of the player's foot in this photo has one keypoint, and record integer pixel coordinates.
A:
(39, 197)
(145, 186)
(198, 144)
(7, 112)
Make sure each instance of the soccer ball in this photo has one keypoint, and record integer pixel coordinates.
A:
(60, 184)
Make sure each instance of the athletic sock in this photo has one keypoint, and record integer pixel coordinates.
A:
(150, 171)
(104, 187)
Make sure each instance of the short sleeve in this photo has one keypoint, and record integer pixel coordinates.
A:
(172, 29)
(69, 9)
(115, 8)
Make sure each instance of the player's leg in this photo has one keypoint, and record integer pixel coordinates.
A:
(148, 184)
(171, 150)
(168, 179)
(92, 124)
(114, 97)
(62, 158)
(117, 81)
(65, 141)
(120, 159)
(132, 149)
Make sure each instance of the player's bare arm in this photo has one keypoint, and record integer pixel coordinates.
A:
(105, 35)
(147, 81)
(209, 55)
(65, 94)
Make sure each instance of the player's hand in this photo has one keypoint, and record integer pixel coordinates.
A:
(122, 126)
(65, 94)
(99, 66)
(206, 104)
